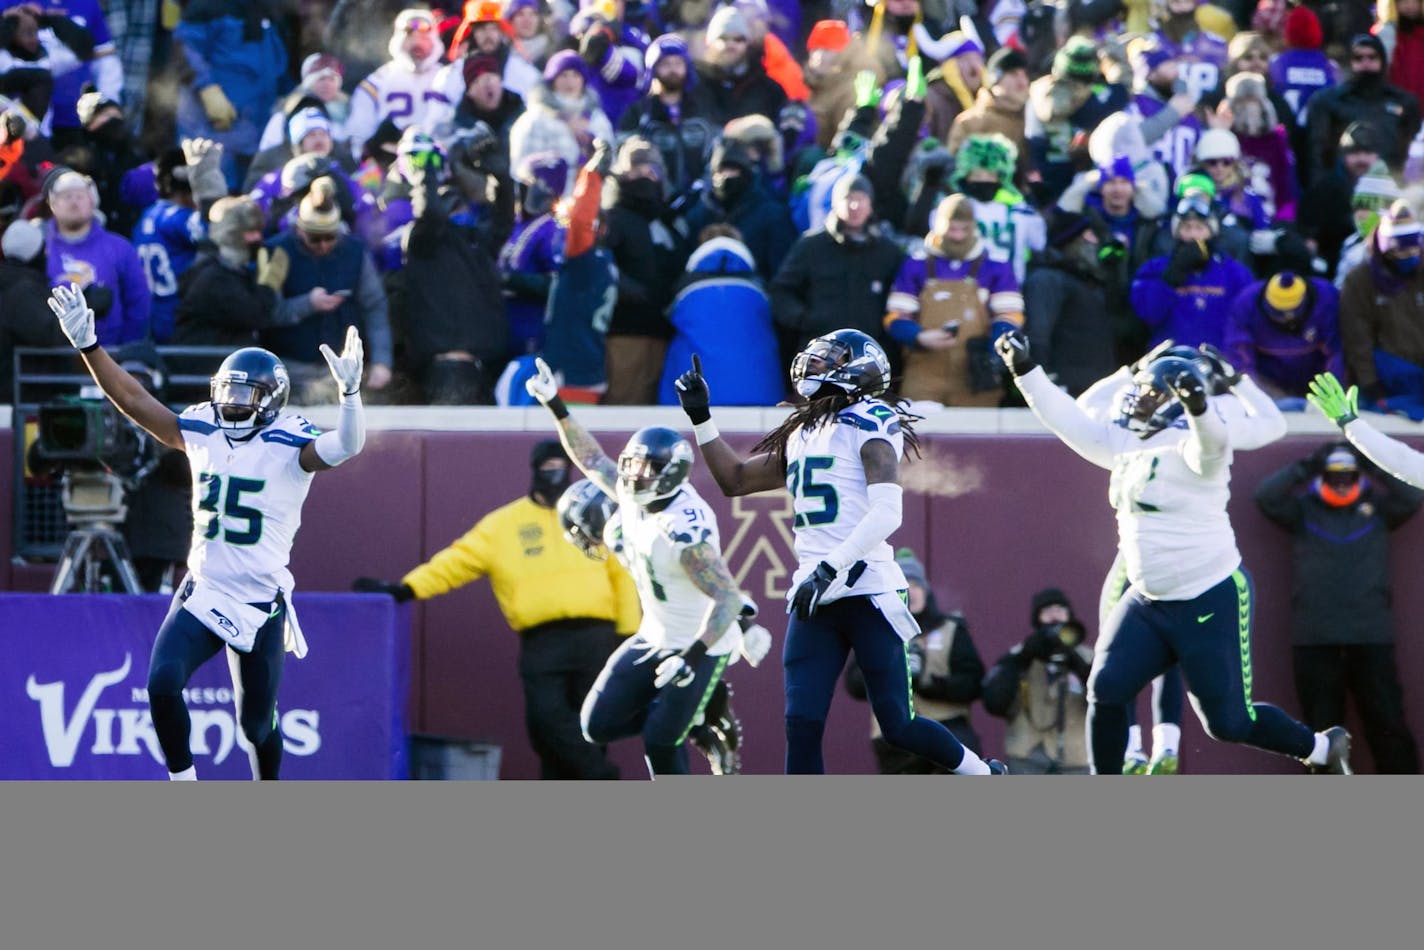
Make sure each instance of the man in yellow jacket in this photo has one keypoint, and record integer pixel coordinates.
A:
(568, 609)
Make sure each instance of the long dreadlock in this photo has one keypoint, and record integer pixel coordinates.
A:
(819, 410)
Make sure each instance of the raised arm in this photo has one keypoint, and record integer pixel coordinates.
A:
(1209, 449)
(733, 474)
(1056, 409)
(583, 448)
(330, 449)
(1342, 408)
(125, 392)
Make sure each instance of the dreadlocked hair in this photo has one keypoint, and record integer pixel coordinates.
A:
(822, 409)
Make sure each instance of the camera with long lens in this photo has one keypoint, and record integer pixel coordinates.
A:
(1066, 637)
(98, 453)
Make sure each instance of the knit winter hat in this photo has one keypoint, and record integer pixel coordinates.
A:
(1149, 54)
(1398, 227)
(1375, 190)
(1048, 597)
(478, 65)
(230, 217)
(305, 122)
(728, 21)
(1078, 59)
(1302, 29)
(959, 43)
(23, 241)
(833, 35)
(562, 60)
(1121, 167)
(994, 153)
(90, 104)
(318, 212)
(911, 567)
(1374, 43)
(548, 169)
(1341, 459)
(669, 44)
(544, 450)
(1285, 292)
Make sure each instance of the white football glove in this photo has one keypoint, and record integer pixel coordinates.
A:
(347, 367)
(674, 670)
(75, 317)
(756, 643)
(544, 386)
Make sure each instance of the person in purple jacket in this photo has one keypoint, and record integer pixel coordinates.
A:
(1201, 56)
(1302, 69)
(1184, 296)
(105, 266)
(535, 249)
(613, 51)
(1284, 331)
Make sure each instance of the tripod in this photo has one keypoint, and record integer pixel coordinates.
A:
(94, 502)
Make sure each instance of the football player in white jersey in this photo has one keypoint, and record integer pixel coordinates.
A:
(1189, 601)
(252, 467)
(839, 456)
(660, 680)
(1253, 420)
(591, 523)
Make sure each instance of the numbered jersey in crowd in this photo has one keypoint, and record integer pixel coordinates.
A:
(650, 545)
(827, 483)
(1201, 57)
(247, 501)
(166, 239)
(1012, 233)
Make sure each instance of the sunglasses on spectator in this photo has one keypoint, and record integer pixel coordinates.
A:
(419, 26)
(1194, 205)
(1218, 161)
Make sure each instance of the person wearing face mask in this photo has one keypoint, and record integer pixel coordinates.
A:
(1184, 295)
(1367, 97)
(1340, 509)
(738, 197)
(228, 293)
(569, 611)
(105, 152)
(1380, 326)
(1066, 313)
(1374, 192)
(1012, 229)
(1284, 331)
(948, 302)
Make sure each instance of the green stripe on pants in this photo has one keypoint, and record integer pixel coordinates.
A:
(1243, 620)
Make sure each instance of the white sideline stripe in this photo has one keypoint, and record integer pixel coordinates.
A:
(738, 419)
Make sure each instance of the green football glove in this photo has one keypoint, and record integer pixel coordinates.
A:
(915, 85)
(867, 89)
(1337, 405)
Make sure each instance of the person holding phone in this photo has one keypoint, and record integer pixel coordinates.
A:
(321, 269)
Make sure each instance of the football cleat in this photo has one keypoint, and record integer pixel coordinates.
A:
(1134, 765)
(719, 735)
(997, 768)
(1337, 757)
(1166, 765)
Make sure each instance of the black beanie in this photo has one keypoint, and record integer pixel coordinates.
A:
(545, 450)
(1374, 43)
(1046, 598)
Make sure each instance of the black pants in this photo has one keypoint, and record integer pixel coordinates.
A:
(558, 664)
(1324, 674)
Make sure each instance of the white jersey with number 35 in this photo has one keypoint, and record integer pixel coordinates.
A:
(826, 479)
(247, 502)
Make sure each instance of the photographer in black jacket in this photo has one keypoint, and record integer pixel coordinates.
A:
(1340, 509)
(1039, 687)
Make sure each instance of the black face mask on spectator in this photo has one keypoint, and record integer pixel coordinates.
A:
(730, 188)
(545, 487)
(644, 192)
(980, 190)
(113, 133)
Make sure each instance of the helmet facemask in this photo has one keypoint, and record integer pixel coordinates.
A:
(829, 361)
(650, 479)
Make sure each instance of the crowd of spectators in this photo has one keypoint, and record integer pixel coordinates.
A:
(615, 185)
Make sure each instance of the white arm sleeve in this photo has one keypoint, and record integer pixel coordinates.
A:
(1094, 440)
(1097, 400)
(349, 436)
(1262, 423)
(1389, 454)
(886, 510)
(1209, 449)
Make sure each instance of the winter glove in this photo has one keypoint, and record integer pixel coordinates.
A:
(479, 141)
(808, 595)
(1187, 258)
(1013, 349)
(680, 669)
(915, 85)
(692, 392)
(867, 89)
(1190, 390)
(594, 46)
(215, 103)
(791, 120)
(601, 160)
(372, 585)
(75, 317)
(1334, 402)
(272, 268)
(205, 174)
(347, 367)
(544, 387)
